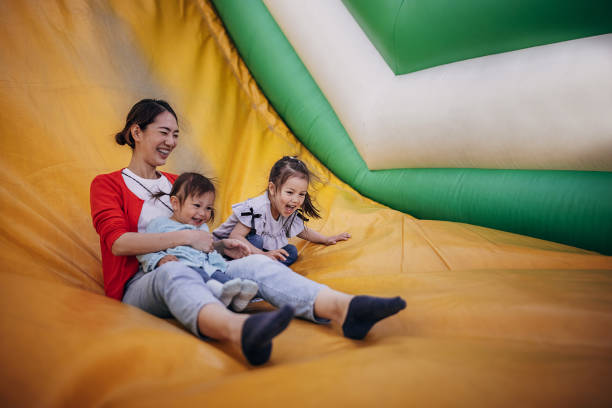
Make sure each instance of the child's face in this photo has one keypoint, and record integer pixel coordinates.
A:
(289, 197)
(195, 210)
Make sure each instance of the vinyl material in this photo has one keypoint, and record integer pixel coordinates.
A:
(491, 316)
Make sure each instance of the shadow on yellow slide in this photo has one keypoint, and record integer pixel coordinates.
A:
(493, 319)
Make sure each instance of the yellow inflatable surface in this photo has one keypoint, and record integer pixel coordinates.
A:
(493, 319)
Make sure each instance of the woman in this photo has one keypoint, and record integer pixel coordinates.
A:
(122, 206)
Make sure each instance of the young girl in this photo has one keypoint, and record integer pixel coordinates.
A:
(266, 222)
(192, 197)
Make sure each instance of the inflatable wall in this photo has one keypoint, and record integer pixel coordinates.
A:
(493, 317)
(493, 114)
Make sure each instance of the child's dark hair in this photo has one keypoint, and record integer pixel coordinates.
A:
(291, 166)
(142, 114)
(190, 185)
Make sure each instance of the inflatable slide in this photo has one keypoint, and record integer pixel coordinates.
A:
(466, 148)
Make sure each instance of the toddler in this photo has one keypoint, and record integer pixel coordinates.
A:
(266, 222)
(192, 199)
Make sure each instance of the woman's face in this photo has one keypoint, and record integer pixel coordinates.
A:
(155, 143)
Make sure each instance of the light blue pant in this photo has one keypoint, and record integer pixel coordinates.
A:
(176, 290)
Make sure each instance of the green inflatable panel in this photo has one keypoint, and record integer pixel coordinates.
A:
(412, 35)
(570, 207)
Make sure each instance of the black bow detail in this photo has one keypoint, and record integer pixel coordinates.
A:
(253, 216)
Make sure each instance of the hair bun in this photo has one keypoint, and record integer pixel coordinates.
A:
(120, 139)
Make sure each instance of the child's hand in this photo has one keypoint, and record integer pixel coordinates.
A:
(235, 248)
(340, 237)
(201, 240)
(277, 254)
(167, 258)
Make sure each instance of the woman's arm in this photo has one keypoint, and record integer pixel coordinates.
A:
(136, 243)
(318, 238)
(110, 219)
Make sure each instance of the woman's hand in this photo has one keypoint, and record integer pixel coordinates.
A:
(167, 258)
(235, 248)
(201, 240)
(335, 238)
(277, 254)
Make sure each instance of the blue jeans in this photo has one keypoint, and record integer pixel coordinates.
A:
(176, 290)
(257, 242)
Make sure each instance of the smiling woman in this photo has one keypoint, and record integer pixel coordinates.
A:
(126, 202)
(156, 141)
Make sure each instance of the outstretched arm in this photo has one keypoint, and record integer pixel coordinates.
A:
(318, 238)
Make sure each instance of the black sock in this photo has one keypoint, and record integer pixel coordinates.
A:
(259, 330)
(365, 311)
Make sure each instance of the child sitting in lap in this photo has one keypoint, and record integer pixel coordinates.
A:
(192, 199)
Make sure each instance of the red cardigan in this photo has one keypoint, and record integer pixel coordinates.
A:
(115, 210)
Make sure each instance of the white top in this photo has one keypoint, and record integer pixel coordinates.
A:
(255, 214)
(143, 189)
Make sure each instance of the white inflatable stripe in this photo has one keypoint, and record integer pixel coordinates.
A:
(546, 107)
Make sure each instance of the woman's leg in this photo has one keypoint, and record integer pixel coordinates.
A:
(217, 322)
(253, 333)
(311, 300)
(278, 284)
(357, 314)
(177, 290)
(332, 304)
(173, 289)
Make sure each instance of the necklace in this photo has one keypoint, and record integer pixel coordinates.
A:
(149, 191)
